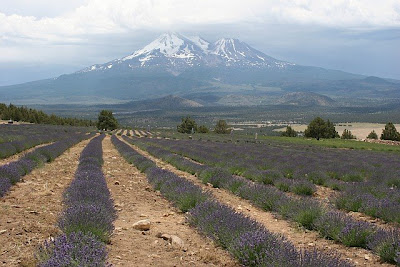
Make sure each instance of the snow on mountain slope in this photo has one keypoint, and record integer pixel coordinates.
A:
(235, 52)
(175, 53)
(200, 42)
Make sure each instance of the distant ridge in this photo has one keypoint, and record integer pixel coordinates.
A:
(228, 69)
(165, 103)
(306, 99)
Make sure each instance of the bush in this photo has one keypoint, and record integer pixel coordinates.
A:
(289, 132)
(222, 127)
(188, 126)
(318, 128)
(386, 244)
(203, 129)
(390, 132)
(106, 121)
(372, 135)
(75, 249)
(343, 228)
(347, 135)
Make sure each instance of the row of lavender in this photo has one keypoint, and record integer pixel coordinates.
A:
(87, 218)
(250, 242)
(307, 212)
(17, 138)
(369, 181)
(12, 172)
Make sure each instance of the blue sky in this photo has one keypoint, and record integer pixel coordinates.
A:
(46, 38)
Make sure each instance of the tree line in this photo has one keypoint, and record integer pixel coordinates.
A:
(189, 126)
(30, 115)
(319, 128)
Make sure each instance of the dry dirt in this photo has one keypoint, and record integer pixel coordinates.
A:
(300, 237)
(30, 210)
(135, 200)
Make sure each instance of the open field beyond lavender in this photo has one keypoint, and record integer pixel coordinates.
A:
(74, 197)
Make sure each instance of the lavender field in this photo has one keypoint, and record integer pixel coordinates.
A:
(82, 212)
(284, 179)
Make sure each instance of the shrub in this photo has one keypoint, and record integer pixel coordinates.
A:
(303, 188)
(222, 127)
(390, 132)
(372, 135)
(5, 185)
(318, 178)
(188, 126)
(318, 128)
(89, 219)
(304, 212)
(347, 135)
(203, 129)
(74, 249)
(339, 227)
(107, 121)
(386, 243)
(261, 248)
(289, 132)
(183, 193)
(270, 176)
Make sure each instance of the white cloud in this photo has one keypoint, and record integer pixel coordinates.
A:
(84, 32)
(111, 16)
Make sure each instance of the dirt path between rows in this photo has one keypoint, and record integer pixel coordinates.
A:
(21, 154)
(29, 212)
(300, 237)
(135, 200)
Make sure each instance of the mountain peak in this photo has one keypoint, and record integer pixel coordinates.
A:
(200, 42)
(238, 53)
(175, 53)
(167, 44)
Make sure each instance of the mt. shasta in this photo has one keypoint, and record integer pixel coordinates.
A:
(194, 68)
(176, 52)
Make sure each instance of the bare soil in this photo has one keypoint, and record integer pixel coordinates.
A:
(135, 200)
(29, 212)
(299, 236)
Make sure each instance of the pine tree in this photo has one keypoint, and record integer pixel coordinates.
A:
(222, 127)
(318, 128)
(187, 126)
(106, 121)
(290, 132)
(347, 135)
(372, 135)
(390, 132)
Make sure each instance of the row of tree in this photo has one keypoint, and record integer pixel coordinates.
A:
(188, 125)
(319, 128)
(37, 116)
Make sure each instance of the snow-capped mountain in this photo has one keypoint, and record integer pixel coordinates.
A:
(176, 52)
(236, 53)
(174, 64)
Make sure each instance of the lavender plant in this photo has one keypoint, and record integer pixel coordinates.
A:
(268, 164)
(14, 171)
(87, 219)
(386, 243)
(307, 212)
(246, 239)
(74, 249)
